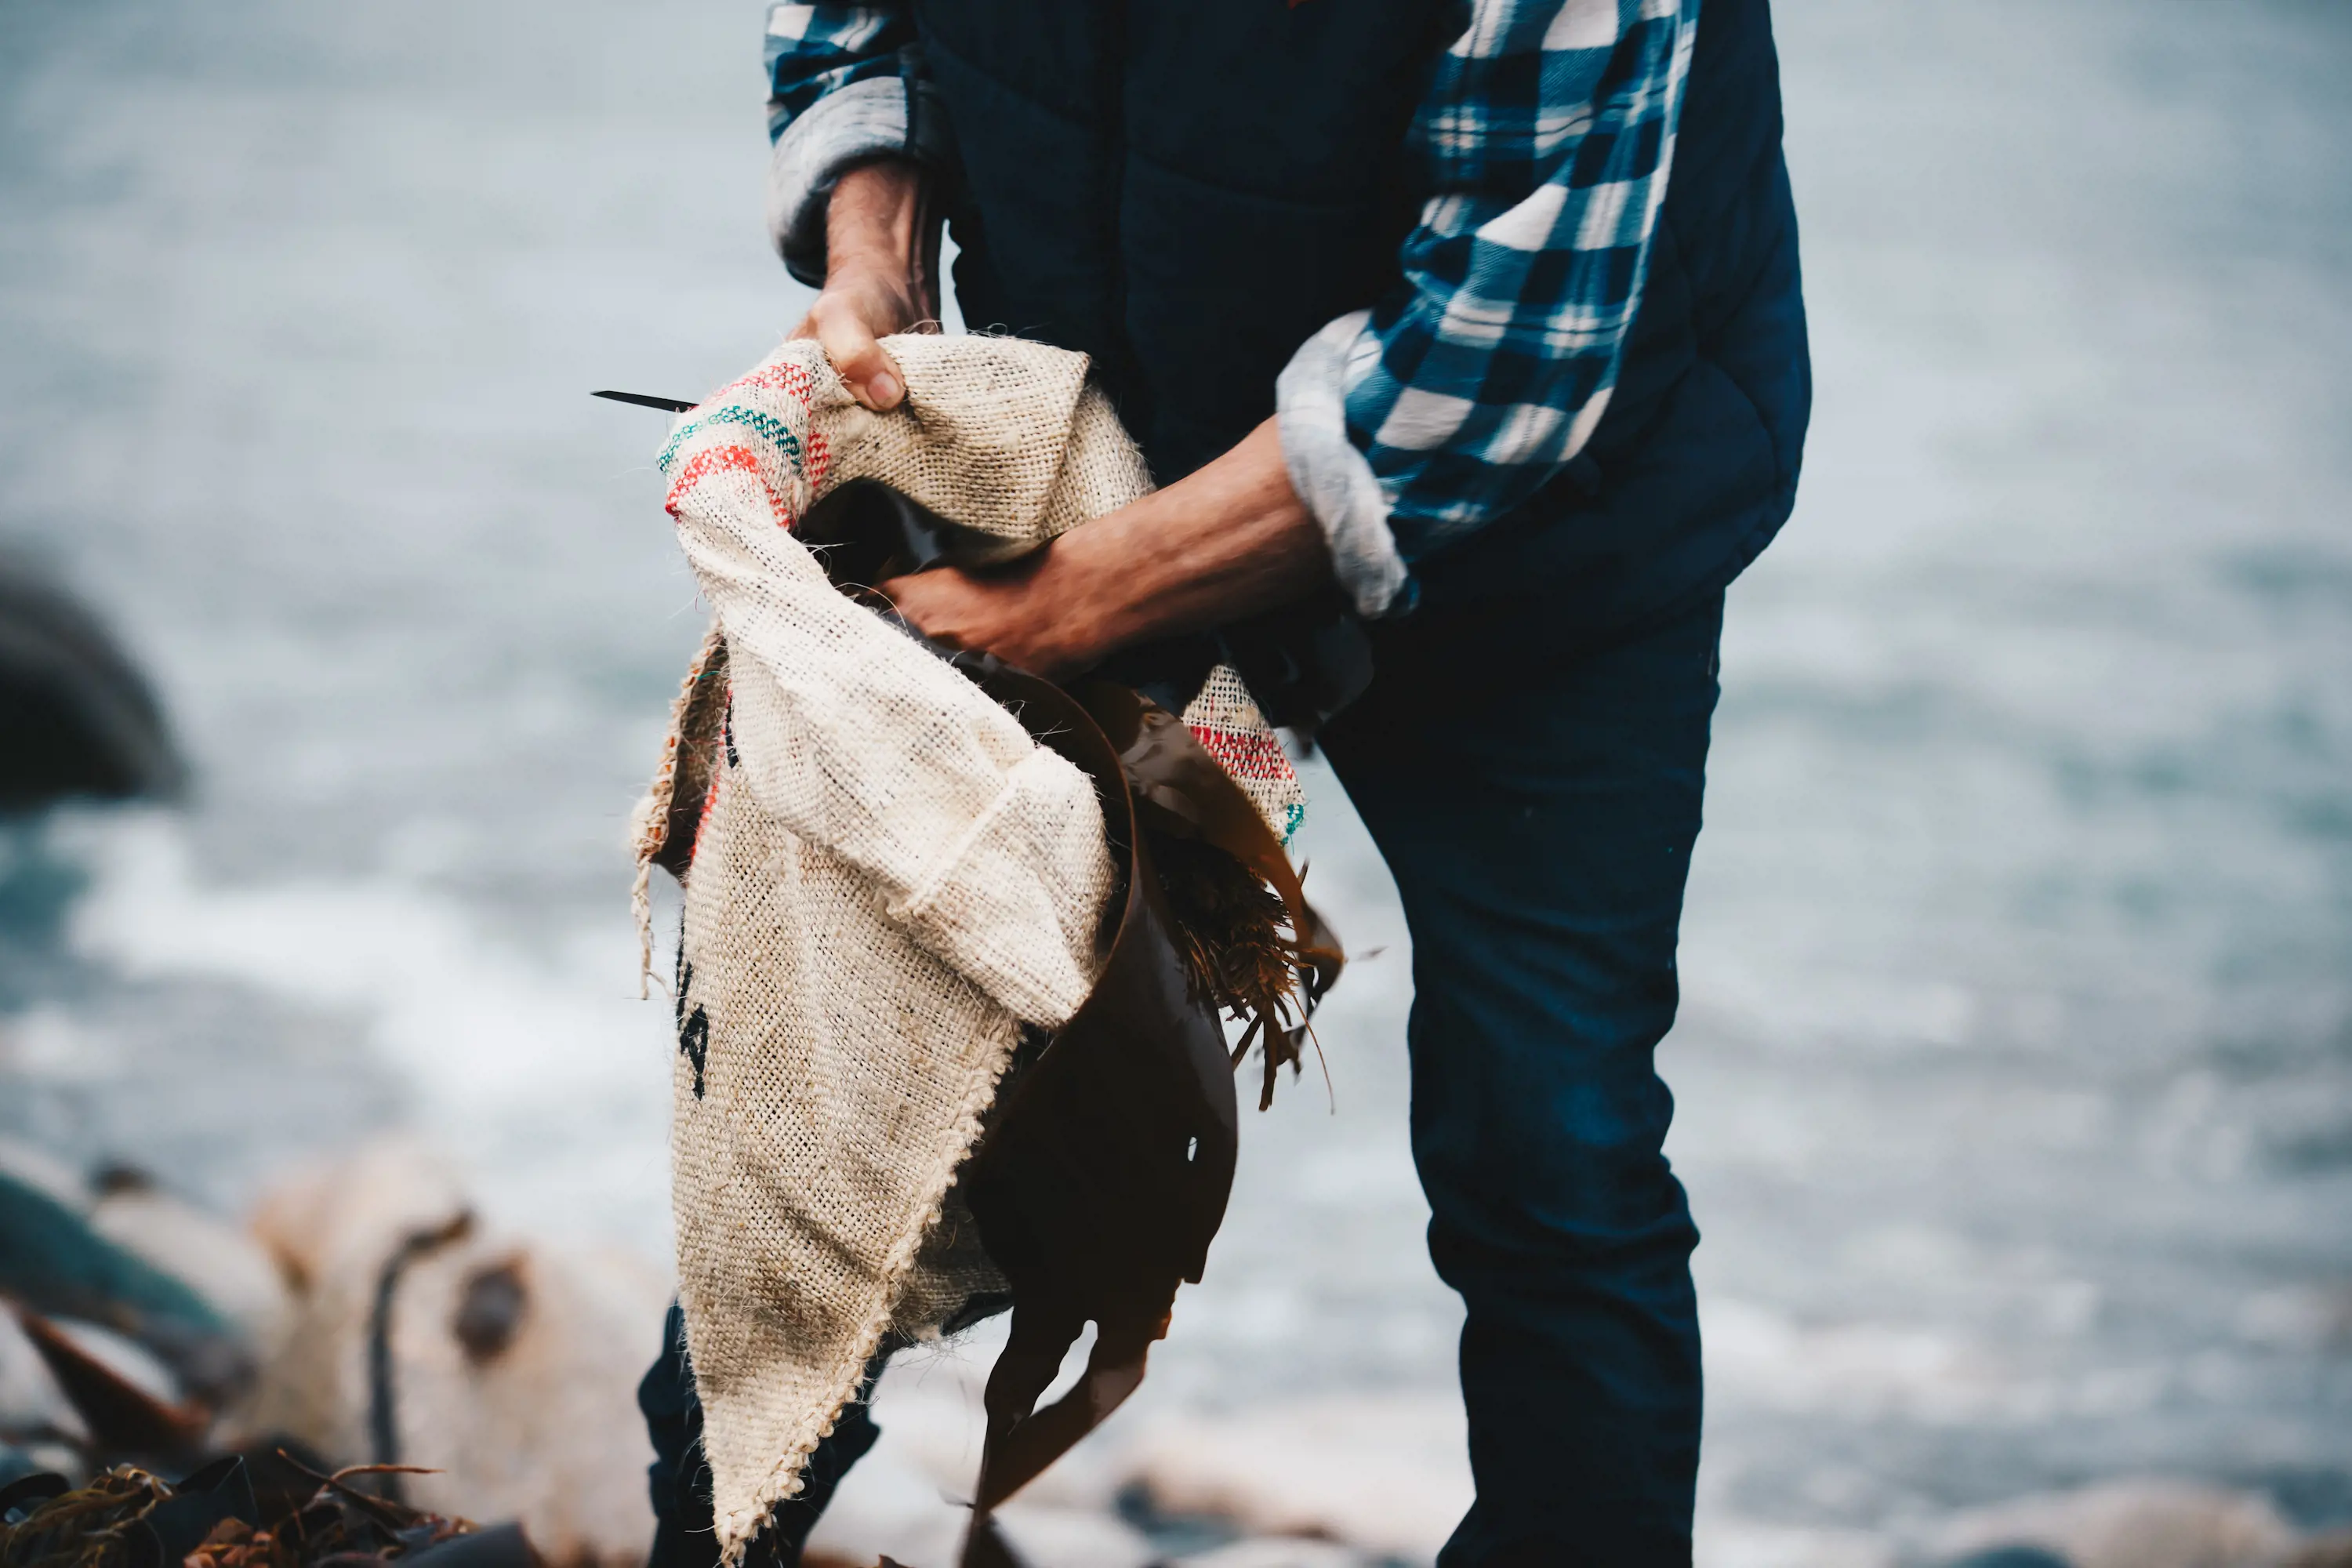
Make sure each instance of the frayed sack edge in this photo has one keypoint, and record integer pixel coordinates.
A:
(649, 823)
(736, 1533)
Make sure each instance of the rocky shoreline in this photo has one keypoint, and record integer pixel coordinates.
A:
(361, 1316)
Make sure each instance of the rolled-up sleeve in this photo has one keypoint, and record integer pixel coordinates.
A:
(1545, 139)
(843, 88)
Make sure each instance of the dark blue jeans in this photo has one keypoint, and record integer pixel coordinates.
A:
(684, 1533)
(1537, 805)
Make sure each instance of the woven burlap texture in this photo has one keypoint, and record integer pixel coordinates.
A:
(890, 878)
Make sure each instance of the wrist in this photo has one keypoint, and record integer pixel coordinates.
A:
(1227, 540)
(875, 221)
(1095, 590)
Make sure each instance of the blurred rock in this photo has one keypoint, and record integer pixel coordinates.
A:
(890, 1513)
(1279, 1554)
(131, 1404)
(1735, 1543)
(56, 1262)
(926, 1531)
(123, 1357)
(222, 1262)
(330, 1229)
(1070, 1538)
(33, 1409)
(2141, 1523)
(43, 1171)
(906, 1499)
(324, 1220)
(2331, 1551)
(513, 1363)
(81, 720)
(2299, 1318)
(1386, 1476)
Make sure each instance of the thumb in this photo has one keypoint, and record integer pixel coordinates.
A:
(871, 377)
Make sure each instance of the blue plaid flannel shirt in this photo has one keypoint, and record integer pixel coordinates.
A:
(1544, 139)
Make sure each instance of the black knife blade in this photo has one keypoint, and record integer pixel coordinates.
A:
(646, 400)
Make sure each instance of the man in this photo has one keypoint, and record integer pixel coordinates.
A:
(1486, 312)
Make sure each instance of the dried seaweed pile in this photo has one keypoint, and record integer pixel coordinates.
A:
(132, 1518)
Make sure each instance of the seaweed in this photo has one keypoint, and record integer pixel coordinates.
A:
(1240, 952)
(1252, 944)
(132, 1518)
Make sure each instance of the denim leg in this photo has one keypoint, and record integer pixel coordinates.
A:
(684, 1533)
(1538, 815)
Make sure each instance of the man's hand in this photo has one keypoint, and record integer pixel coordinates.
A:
(1005, 611)
(880, 242)
(1225, 542)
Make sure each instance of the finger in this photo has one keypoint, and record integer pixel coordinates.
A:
(912, 609)
(871, 377)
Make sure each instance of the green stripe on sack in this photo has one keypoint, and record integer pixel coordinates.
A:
(766, 426)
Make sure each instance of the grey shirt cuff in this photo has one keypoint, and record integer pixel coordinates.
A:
(848, 126)
(1332, 477)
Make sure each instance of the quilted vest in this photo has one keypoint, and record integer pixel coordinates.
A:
(1186, 190)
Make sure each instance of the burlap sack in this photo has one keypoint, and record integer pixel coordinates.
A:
(887, 878)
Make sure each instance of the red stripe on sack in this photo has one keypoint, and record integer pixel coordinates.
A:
(722, 460)
(1247, 756)
(793, 381)
(703, 822)
(785, 378)
(702, 465)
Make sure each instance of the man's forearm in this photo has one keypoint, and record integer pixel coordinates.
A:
(881, 250)
(877, 220)
(1226, 541)
(1223, 542)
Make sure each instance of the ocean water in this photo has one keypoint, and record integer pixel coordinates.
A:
(2015, 1068)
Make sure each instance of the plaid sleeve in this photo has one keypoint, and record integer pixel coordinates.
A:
(1545, 138)
(836, 97)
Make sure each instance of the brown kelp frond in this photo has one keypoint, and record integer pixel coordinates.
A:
(1240, 952)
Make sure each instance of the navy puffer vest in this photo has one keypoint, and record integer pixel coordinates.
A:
(1188, 189)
